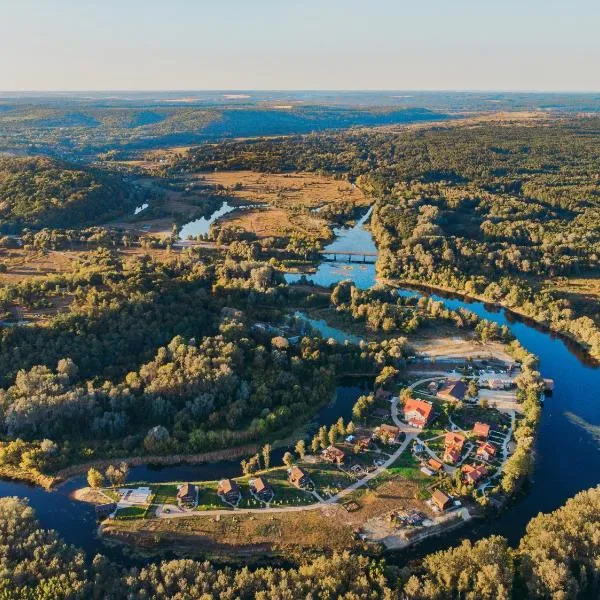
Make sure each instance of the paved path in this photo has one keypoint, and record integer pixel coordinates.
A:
(508, 438)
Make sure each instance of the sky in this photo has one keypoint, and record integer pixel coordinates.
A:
(308, 44)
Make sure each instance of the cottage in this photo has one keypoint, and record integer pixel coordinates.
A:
(481, 430)
(229, 491)
(441, 500)
(387, 433)
(334, 455)
(486, 451)
(298, 477)
(363, 442)
(417, 412)
(435, 465)
(453, 390)
(186, 494)
(453, 444)
(262, 488)
(473, 474)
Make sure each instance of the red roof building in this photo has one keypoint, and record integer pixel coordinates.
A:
(473, 474)
(481, 430)
(486, 451)
(417, 412)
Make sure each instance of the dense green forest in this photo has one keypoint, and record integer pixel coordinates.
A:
(492, 210)
(557, 558)
(41, 192)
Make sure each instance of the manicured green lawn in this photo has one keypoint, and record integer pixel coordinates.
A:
(165, 494)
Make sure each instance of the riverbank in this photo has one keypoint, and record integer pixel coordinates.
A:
(567, 337)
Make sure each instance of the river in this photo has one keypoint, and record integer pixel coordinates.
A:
(567, 446)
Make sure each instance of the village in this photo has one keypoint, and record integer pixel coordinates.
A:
(444, 437)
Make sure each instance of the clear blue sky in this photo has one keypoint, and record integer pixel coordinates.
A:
(299, 44)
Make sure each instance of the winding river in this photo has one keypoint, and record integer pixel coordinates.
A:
(567, 447)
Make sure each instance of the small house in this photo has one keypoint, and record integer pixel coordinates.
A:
(298, 477)
(387, 433)
(441, 500)
(486, 451)
(186, 494)
(453, 444)
(473, 474)
(435, 465)
(229, 491)
(481, 430)
(261, 487)
(417, 412)
(334, 455)
(453, 390)
(364, 442)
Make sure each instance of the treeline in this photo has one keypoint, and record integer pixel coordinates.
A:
(42, 192)
(556, 558)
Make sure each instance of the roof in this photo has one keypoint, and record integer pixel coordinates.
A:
(452, 454)
(389, 429)
(486, 448)
(335, 452)
(421, 406)
(454, 388)
(187, 489)
(454, 439)
(227, 486)
(472, 473)
(436, 465)
(296, 473)
(440, 498)
(261, 484)
(481, 429)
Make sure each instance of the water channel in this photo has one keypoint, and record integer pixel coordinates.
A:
(567, 446)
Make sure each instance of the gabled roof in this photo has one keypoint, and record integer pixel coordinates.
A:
(389, 429)
(187, 489)
(454, 439)
(440, 498)
(486, 449)
(481, 429)
(227, 486)
(261, 484)
(420, 406)
(296, 473)
(452, 454)
(474, 474)
(334, 452)
(454, 388)
(436, 465)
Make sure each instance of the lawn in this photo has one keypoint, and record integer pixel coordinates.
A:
(165, 494)
(328, 479)
(131, 512)
(467, 416)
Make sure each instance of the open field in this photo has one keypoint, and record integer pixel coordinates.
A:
(316, 529)
(290, 198)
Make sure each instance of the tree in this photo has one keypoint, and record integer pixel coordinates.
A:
(300, 448)
(333, 435)
(95, 478)
(386, 376)
(350, 429)
(340, 426)
(266, 454)
(315, 444)
(113, 475)
(156, 439)
(472, 389)
(288, 459)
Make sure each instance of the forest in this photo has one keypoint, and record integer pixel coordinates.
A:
(491, 210)
(556, 558)
(42, 192)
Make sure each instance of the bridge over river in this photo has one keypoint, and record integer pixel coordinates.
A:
(349, 256)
